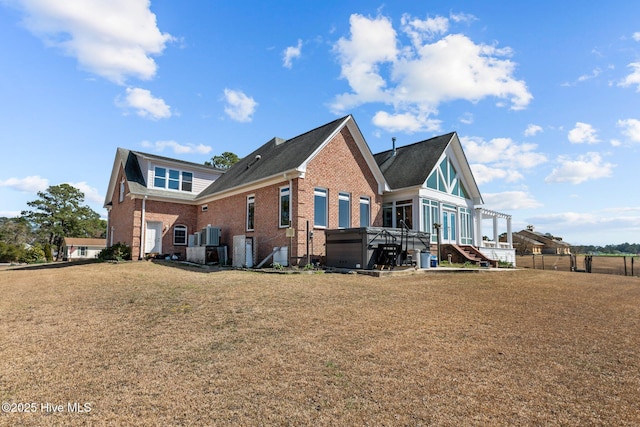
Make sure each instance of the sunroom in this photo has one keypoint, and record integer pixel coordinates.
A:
(443, 200)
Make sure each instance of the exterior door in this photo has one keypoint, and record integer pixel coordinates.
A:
(153, 238)
(448, 226)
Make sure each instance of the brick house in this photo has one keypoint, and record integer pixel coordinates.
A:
(324, 179)
(151, 202)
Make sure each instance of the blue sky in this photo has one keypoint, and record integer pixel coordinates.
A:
(545, 96)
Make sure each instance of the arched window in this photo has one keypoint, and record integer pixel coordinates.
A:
(180, 235)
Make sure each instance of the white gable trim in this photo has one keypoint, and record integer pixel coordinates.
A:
(351, 125)
(117, 162)
(453, 151)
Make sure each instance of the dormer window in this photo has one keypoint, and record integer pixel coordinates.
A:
(172, 179)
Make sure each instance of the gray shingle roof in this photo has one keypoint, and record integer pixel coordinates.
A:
(275, 157)
(136, 180)
(412, 163)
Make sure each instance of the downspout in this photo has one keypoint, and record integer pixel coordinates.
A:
(109, 234)
(291, 218)
(142, 228)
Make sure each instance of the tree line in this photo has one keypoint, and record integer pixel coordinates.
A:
(39, 232)
(623, 248)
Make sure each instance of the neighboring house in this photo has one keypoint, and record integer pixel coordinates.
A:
(525, 245)
(323, 179)
(82, 248)
(529, 241)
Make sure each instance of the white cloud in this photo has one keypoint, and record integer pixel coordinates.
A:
(500, 158)
(420, 31)
(533, 130)
(29, 184)
(113, 39)
(611, 219)
(630, 128)
(145, 104)
(583, 78)
(372, 43)
(466, 119)
(462, 17)
(416, 78)
(510, 200)
(484, 174)
(502, 152)
(598, 227)
(583, 133)
(290, 53)
(177, 148)
(240, 107)
(405, 122)
(91, 194)
(633, 78)
(10, 214)
(636, 36)
(595, 73)
(585, 167)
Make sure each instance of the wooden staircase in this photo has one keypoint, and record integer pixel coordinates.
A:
(467, 253)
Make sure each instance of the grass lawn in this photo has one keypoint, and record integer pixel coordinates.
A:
(152, 344)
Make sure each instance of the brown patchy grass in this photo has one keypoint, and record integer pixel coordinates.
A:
(151, 344)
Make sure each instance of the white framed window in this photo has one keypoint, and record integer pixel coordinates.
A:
(320, 207)
(160, 177)
(187, 181)
(82, 251)
(344, 210)
(251, 210)
(172, 179)
(180, 235)
(365, 211)
(121, 195)
(285, 207)
(430, 216)
(466, 227)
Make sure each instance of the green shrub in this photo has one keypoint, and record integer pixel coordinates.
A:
(33, 255)
(10, 253)
(117, 252)
(48, 254)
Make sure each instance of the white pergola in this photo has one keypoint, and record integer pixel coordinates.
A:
(482, 214)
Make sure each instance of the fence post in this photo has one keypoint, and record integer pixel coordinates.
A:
(534, 261)
(543, 261)
(625, 265)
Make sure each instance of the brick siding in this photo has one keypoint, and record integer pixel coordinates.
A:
(339, 167)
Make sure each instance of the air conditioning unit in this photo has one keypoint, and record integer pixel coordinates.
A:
(194, 239)
(210, 236)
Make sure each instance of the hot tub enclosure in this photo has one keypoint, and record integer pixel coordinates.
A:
(364, 247)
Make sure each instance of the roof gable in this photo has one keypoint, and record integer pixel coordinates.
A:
(279, 157)
(131, 161)
(84, 241)
(412, 164)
